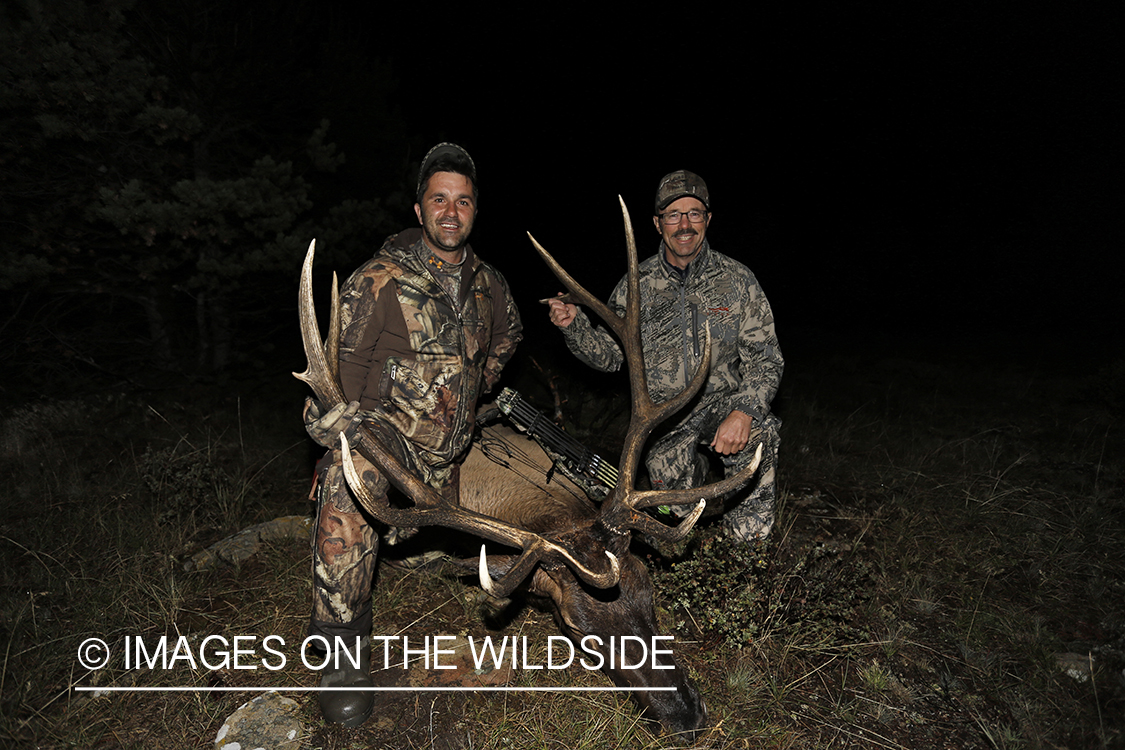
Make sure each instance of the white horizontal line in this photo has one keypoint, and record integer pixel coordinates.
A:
(111, 689)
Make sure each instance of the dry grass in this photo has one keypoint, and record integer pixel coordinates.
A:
(945, 534)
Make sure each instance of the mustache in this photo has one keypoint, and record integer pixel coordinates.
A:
(686, 232)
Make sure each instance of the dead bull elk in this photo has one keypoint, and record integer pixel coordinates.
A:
(573, 554)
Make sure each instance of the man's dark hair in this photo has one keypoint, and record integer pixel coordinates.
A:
(446, 158)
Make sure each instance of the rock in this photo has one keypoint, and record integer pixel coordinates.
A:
(235, 549)
(268, 722)
(1076, 666)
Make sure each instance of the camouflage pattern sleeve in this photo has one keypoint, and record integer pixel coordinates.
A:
(597, 347)
(507, 331)
(361, 324)
(370, 325)
(761, 364)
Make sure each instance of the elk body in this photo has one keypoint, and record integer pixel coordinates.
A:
(573, 554)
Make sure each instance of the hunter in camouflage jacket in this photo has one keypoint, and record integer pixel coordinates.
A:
(746, 367)
(416, 358)
(746, 363)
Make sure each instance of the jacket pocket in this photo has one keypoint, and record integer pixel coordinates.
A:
(419, 398)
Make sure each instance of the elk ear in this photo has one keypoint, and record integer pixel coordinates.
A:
(498, 565)
(544, 584)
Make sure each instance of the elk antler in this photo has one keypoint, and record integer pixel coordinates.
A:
(620, 511)
(430, 508)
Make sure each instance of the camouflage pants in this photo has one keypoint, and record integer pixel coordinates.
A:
(346, 538)
(674, 462)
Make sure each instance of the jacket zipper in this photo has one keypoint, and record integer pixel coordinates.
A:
(459, 414)
(690, 328)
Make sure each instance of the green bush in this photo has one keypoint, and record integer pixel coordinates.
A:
(734, 592)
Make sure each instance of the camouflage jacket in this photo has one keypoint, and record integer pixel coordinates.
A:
(414, 357)
(746, 363)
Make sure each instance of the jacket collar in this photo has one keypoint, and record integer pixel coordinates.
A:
(414, 252)
(700, 262)
(411, 240)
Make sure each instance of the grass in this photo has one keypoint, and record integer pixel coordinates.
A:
(946, 533)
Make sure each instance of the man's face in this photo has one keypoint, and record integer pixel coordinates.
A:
(447, 211)
(682, 239)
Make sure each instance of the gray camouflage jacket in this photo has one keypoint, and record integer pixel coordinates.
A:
(414, 356)
(746, 363)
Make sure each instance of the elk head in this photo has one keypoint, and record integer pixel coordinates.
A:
(580, 563)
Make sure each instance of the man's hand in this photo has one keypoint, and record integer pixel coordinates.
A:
(561, 313)
(733, 433)
(489, 412)
(325, 428)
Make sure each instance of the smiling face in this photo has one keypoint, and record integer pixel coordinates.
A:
(684, 238)
(446, 214)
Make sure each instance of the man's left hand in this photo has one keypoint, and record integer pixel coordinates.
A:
(325, 427)
(733, 433)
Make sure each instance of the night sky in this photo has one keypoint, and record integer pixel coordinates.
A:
(936, 177)
(950, 176)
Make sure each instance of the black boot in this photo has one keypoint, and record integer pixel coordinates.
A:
(349, 708)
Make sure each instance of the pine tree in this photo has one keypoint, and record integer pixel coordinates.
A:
(153, 169)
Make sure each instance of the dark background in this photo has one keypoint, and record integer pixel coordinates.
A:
(937, 179)
(901, 174)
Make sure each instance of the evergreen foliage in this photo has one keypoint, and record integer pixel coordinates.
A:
(157, 177)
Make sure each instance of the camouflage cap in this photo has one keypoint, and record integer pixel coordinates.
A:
(681, 184)
(445, 149)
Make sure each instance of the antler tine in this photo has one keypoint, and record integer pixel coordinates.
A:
(332, 343)
(318, 374)
(647, 498)
(579, 292)
(620, 326)
(631, 338)
(430, 508)
(507, 583)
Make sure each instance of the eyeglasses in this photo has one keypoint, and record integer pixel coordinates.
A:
(695, 216)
